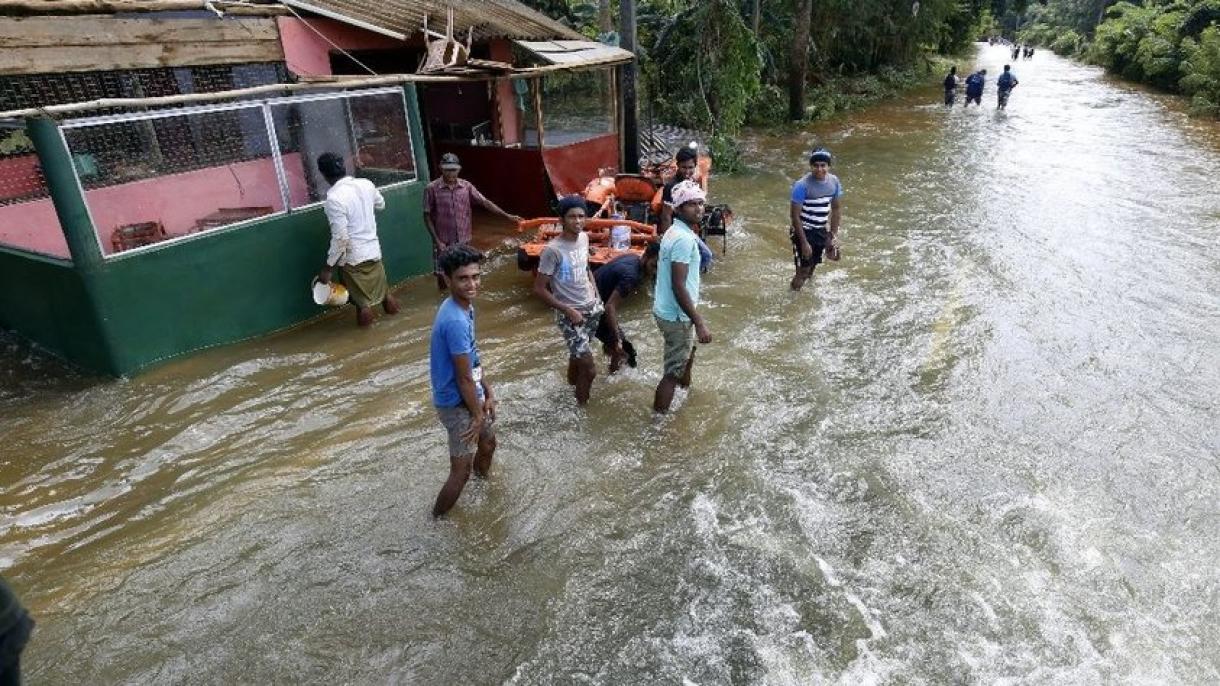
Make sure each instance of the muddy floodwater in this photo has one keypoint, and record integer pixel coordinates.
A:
(983, 447)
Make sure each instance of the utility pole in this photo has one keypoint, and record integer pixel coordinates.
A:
(627, 74)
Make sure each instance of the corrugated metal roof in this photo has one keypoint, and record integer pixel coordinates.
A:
(576, 51)
(490, 18)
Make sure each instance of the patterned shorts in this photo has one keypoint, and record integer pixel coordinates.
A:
(578, 337)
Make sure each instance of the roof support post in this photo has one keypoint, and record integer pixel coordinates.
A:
(627, 73)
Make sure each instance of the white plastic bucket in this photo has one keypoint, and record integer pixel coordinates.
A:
(329, 293)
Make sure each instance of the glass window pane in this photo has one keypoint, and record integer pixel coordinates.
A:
(368, 131)
(27, 217)
(151, 180)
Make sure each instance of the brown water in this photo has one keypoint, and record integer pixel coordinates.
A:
(983, 447)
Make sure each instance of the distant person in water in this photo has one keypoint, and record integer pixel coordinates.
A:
(814, 215)
(951, 86)
(1004, 86)
(1016, 51)
(676, 295)
(565, 283)
(974, 87)
(461, 394)
(616, 281)
(354, 247)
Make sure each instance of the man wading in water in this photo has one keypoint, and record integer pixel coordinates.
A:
(565, 283)
(354, 247)
(814, 208)
(616, 281)
(463, 398)
(677, 293)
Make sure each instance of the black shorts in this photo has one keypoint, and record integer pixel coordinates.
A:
(818, 240)
(974, 98)
(950, 95)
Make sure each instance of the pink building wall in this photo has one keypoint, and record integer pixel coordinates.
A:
(308, 54)
(177, 201)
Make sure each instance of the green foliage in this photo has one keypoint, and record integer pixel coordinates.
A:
(1171, 44)
(1201, 71)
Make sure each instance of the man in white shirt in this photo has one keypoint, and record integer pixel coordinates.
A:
(354, 247)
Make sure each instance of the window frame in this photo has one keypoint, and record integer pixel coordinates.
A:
(263, 104)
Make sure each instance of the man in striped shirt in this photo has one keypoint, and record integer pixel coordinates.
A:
(815, 215)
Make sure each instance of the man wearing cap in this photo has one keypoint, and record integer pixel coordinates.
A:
(565, 283)
(677, 293)
(447, 208)
(815, 215)
(354, 246)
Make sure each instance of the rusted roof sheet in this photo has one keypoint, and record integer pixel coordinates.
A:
(490, 18)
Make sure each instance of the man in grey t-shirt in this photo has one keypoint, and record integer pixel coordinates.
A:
(565, 283)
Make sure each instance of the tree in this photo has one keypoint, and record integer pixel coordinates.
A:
(798, 69)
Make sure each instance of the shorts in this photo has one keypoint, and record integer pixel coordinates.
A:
(679, 344)
(818, 240)
(950, 95)
(578, 337)
(456, 420)
(976, 98)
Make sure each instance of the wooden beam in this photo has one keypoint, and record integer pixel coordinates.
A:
(101, 30)
(46, 7)
(50, 60)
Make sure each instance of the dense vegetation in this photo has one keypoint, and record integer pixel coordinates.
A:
(1174, 44)
(716, 65)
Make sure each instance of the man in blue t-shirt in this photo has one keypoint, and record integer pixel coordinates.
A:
(463, 398)
(677, 293)
(617, 280)
(1004, 86)
(814, 215)
(974, 87)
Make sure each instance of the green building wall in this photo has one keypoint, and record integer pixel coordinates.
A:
(121, 314)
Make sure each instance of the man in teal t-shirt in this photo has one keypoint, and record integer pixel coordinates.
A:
(677, 293)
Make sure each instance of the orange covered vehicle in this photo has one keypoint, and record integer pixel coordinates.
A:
(599, 230)
(637, 199)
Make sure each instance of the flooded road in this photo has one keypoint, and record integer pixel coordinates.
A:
(983, 447)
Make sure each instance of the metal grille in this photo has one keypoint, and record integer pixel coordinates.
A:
(40, 90)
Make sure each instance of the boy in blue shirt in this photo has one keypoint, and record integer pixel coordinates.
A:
(1004, 86)
(463, 398)
(815, 215)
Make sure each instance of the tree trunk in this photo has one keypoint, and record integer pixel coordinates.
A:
(605, 23)
(757, 18)
(799, 66)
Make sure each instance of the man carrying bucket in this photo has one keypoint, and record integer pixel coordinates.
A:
(354, 247)
(460, 392)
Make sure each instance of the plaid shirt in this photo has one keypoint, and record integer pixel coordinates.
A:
(449, 207)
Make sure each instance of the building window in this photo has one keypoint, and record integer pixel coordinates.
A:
(156, 176)
(369, 131)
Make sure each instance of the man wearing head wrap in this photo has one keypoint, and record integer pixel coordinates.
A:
(565, 283)
(677, 293)
(814, 214)
(354, 247)
(447, 208)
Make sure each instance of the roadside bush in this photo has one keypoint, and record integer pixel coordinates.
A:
(1201, 72)
(1069, 44)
